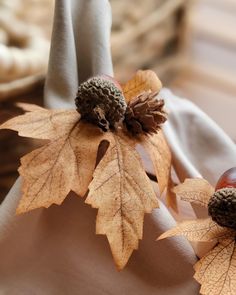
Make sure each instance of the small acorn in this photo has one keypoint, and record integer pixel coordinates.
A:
(222, 205)
(100, 101)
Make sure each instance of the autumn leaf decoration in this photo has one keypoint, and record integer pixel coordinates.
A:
(92, 152)
(216, 271)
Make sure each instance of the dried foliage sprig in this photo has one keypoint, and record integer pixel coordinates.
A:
(90, 152)
(216, 271)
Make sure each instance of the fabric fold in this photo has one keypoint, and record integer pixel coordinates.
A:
(80, 48)
(55, 250)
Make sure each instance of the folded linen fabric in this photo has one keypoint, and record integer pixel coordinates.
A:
(55, 250)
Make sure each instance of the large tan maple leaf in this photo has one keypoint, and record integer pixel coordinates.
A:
(122, 192)
(66, 162)
(216, 271)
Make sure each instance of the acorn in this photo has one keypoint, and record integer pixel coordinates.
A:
(222, 205)
(100, 101)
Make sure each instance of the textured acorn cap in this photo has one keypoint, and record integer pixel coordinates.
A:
(222, 207)
(100, 102)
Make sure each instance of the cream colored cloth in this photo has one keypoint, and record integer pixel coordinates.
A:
(55, 250)
(199, 146)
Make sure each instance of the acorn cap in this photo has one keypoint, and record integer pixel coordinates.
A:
(101, 102)
(222, 207)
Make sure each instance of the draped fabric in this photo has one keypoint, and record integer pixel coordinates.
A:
(55, 251)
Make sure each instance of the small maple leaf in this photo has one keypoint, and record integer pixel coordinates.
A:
(63, 164)
(141, 82)
(160, 155)
(155, 145)
(73, 158)
(216, 270)
(196, 191)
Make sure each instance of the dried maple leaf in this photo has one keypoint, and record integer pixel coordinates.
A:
(216, 270)
(196, 191)
(155, 144)
(171, 198)
(65, 163)
(122, 192)
(160, 155)
(142, 81)
(202, 230)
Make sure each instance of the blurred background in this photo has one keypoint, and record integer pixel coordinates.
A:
(190, 44)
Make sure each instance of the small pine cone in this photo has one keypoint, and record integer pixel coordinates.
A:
(101, 102)
(145, 114)
(222, 207)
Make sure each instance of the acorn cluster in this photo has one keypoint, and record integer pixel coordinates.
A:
(100, 101)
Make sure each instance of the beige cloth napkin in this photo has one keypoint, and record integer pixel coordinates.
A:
(55, 250)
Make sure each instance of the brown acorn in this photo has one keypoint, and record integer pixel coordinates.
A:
(100, 101)
(145, 114)
(222, 205)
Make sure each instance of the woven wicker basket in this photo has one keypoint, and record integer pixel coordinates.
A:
(25, 27)
(147, 34)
